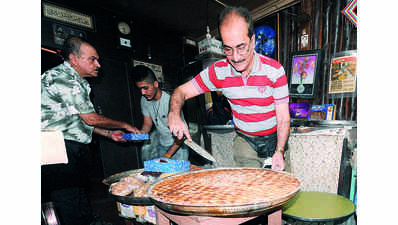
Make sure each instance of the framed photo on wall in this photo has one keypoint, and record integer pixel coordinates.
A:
(343, 74)
(266, 33)
(304, 72)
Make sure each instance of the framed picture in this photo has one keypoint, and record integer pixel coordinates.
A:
(61, 33)
(304, 71)
(266, 33)
(343, 74)
(60, 14)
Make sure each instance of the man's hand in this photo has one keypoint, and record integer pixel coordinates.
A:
(132, 129)
(116, 135)
(177, 127)
(278, 163)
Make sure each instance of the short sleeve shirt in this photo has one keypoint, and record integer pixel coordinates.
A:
(158, 111)
(65, 95)
(253, 99)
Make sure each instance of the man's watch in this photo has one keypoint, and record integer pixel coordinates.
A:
(278, 149)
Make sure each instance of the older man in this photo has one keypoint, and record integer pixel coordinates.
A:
(256, 88)
(66, 106)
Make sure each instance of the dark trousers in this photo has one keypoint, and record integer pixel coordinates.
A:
(65, 186)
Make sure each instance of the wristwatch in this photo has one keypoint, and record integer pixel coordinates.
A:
(278, 149)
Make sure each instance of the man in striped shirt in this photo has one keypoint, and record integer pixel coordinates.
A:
(256, 88)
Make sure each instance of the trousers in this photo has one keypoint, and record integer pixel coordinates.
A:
(65, 186)
(252, 151)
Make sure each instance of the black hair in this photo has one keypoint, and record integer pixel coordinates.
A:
(72, 45)
(243, 12)
(143, 73)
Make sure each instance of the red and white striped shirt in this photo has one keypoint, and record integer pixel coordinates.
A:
(253, 99)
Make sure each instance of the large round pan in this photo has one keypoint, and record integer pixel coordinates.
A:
(289, 183)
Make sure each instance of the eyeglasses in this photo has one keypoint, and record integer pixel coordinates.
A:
(242, 49)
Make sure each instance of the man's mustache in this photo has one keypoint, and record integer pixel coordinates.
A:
(242, 60)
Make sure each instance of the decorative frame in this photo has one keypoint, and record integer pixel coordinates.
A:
(304, 73)
(68, 16)
(266, 32)
(343, 75)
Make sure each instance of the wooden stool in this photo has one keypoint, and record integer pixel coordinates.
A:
(317, 207)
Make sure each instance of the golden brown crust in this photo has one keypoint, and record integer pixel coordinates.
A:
(225, 187)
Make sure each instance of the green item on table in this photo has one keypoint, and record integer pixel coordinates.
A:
(318, 206)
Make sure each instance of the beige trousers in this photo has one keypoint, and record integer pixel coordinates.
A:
(244, 154)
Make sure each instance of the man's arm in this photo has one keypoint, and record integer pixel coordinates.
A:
(283, 123)
(177, 127)
(146, 127)
(96, 120)
(283, 130)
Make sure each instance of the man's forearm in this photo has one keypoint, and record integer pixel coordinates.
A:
(103, 132)
(146, 127)
(97, 120)
(176, 102)
(283, 130)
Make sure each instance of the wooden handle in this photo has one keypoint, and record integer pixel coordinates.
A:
(169, 153)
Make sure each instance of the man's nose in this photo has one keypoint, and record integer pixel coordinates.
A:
(97, 64)
(235, 55)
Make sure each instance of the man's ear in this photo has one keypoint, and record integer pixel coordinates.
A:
(156, 84)
(253, 39)
(73, 59)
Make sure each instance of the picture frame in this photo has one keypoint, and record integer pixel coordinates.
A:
(267, 36)
(343, 75)
(61, 33)
(56, 12)
(304, 73)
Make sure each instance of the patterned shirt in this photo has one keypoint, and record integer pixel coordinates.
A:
(65, 95)
(253, 99)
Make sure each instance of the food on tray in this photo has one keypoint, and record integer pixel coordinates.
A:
(141, 191)
(122, 188)
(225, 187)
(133, 181)
(138, 183)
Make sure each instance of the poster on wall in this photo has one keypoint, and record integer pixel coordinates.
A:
(155, 68)
(304, 71)
(266, 35)
(343, 74)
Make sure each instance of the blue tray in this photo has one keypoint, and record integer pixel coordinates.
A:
(135, 137)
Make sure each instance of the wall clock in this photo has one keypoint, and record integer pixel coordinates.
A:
(124, 28)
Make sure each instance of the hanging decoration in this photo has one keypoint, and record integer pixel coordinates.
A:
(350, 11)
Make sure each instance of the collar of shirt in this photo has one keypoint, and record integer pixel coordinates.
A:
(74, 74)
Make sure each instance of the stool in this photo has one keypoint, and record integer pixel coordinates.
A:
(317, 207)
